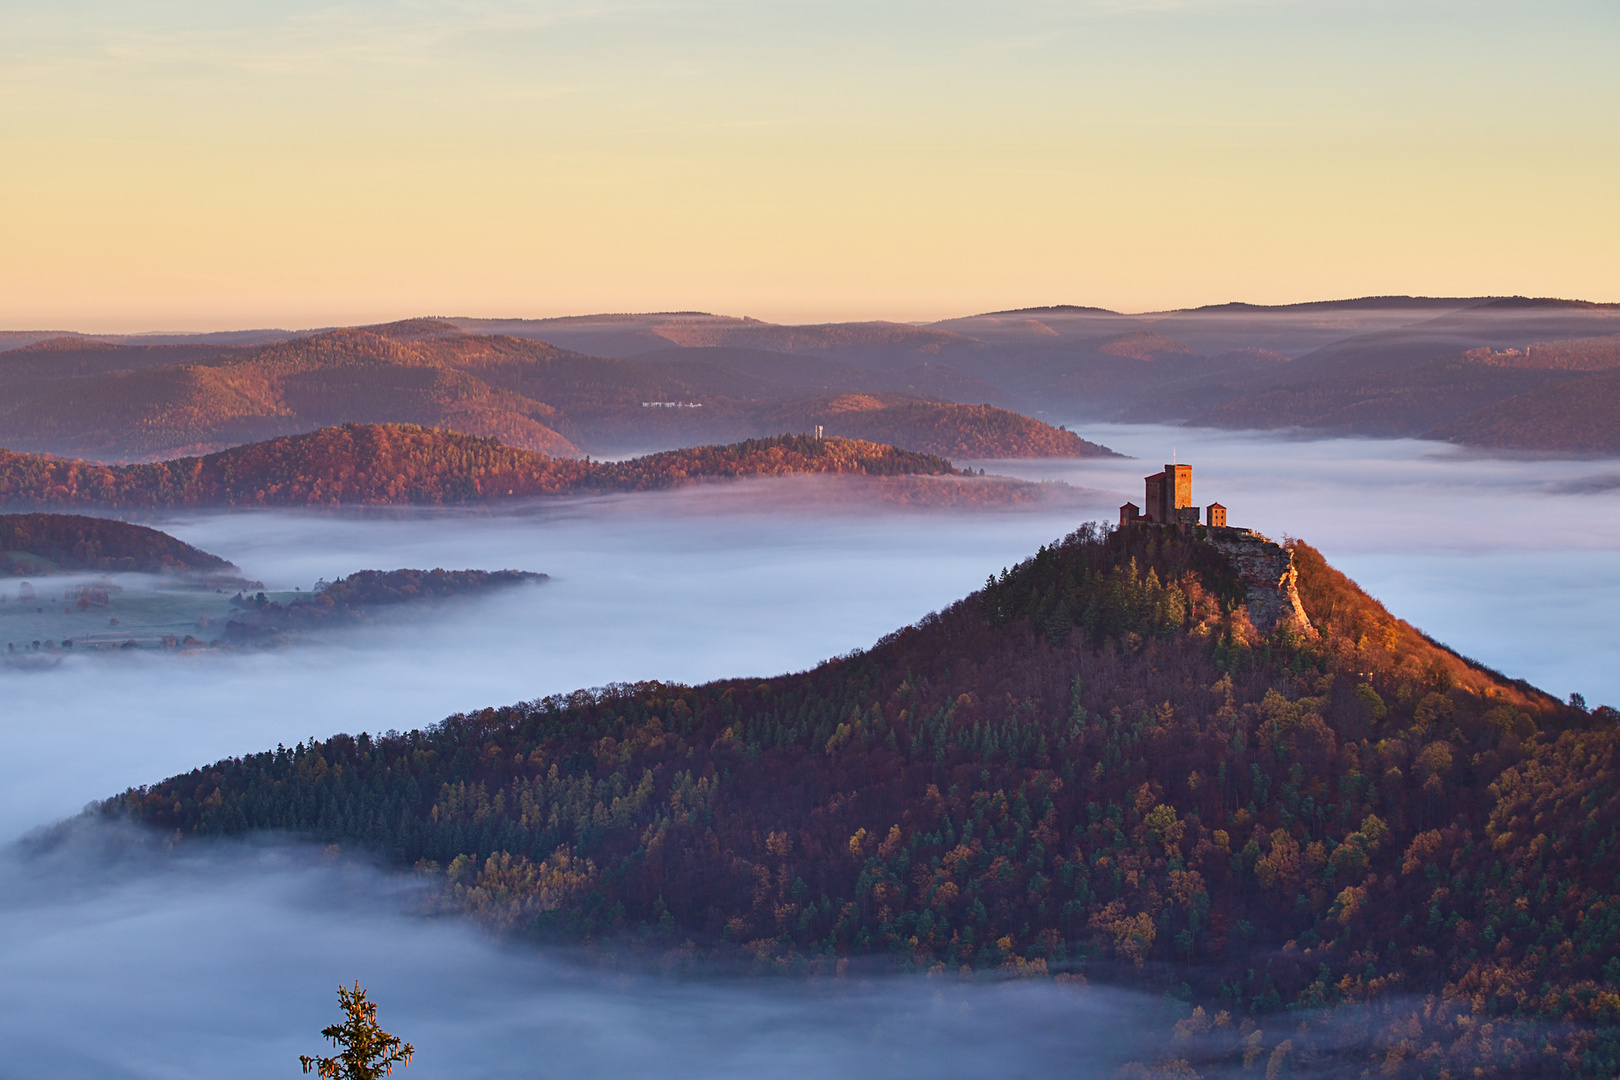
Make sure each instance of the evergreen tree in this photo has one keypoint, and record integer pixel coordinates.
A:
(368, 1052)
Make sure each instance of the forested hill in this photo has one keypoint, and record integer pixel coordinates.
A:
(35, 544)
(354, 598)
(378, 464)
(1354, 837)
(95, 399)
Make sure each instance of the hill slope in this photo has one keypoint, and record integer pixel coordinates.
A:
(1094, 761)
(1574, 416)
(39, 543)
(963, 431)
(372, 464)
(1397, 403)
(98, 399)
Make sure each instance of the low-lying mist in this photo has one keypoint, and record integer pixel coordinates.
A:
(119, 959)
(743, 580)
(122, 959)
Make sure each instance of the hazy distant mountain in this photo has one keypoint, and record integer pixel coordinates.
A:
(616, 383)
(97, 399)
(1576, 416)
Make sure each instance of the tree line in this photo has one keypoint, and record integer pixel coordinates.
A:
(373, 464)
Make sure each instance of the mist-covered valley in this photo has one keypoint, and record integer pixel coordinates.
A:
(121, 959)
(223, 957)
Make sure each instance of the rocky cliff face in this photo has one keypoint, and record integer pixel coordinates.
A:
(1266, 569)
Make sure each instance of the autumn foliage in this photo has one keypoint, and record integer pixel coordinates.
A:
(382, 464)
(1095, 763)
(75, 542)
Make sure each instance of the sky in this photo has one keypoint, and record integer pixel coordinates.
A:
(181, 164)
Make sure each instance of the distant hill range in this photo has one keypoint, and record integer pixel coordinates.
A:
(36, 545)
(1478, 370)
(1382, 366)
(117, 401)
(403, 464)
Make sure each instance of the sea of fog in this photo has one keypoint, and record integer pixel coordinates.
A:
(121, 959)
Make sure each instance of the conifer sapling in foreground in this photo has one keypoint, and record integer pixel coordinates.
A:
(368, 1052)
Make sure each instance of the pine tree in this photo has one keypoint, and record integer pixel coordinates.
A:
(368, 1052)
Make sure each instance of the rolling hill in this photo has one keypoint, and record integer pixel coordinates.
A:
(1420, 379)
(397, 464)
(963, 431)
(619, 384)
(1096, 764)
(117, 402)
(40, 544)
(1570, 416)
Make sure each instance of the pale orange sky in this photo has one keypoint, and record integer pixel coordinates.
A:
(197, 166)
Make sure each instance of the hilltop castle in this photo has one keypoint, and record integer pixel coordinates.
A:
(1169, 502)
(1263, 567)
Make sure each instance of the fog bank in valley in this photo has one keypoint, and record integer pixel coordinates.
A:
(118, 958)
(123, 960)
(738, 581)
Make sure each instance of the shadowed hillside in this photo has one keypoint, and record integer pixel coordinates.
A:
(1577, 416)
(370, 464)
(1093, 764)
(1414, 380)
(109, 401)
(620, 384)
(36, 544)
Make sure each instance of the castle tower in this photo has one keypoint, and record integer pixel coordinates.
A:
(1153, 504)
(1217, 515)
(1178, 494)
(1170, 496)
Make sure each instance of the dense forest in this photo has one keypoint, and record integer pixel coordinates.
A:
(350, 599)
(1580, 416)
(960, 431)
(380, 464)
(35, 544)
(1095, 767)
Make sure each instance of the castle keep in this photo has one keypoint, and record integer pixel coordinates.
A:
(1168, 501)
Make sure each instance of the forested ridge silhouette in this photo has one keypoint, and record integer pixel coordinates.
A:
(387, 464)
